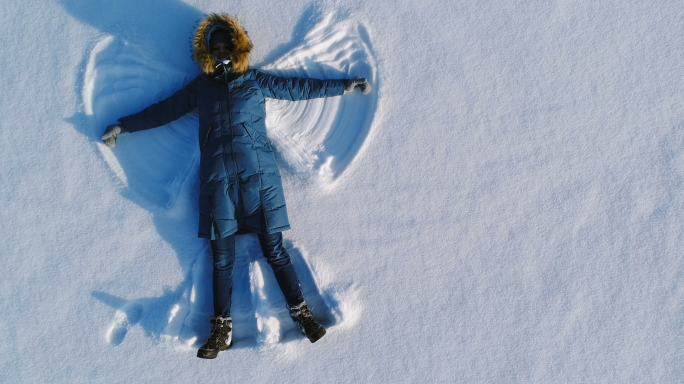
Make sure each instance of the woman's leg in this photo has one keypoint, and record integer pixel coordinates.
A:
(223, 251)
(279, 259)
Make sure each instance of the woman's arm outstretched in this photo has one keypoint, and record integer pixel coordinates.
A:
(300, 88)
(163, 112)
(158, 114)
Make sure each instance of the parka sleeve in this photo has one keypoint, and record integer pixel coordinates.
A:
(163, 112)
(297, 88)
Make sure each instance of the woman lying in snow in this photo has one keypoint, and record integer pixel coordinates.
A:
(240, 185)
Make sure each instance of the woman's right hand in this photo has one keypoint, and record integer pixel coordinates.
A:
(111, 134)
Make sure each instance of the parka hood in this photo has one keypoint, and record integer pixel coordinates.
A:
(200, 44)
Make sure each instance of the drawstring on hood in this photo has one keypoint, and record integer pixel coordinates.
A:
(238, 62)
(225, 64)
(224, 70)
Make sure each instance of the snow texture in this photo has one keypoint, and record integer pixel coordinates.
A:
(505, 207)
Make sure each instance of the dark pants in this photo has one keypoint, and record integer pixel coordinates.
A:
(223, 251)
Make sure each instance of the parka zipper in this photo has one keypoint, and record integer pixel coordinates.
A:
(230, 127)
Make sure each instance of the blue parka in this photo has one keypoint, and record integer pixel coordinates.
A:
(240, 185)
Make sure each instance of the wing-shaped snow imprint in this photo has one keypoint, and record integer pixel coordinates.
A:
(317, 140)
(119, 75)
(323, 136)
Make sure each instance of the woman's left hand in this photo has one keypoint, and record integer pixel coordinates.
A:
(358, 83)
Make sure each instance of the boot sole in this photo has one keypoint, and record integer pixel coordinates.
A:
(206, 354)
(316, 336)
(210, 353)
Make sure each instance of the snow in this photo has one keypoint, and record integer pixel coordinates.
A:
(506, 206)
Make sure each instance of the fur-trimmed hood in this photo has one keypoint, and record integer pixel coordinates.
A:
(200, 48)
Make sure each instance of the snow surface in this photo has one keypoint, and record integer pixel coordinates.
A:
(505, 207)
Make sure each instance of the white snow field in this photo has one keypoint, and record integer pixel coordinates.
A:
(507, 205)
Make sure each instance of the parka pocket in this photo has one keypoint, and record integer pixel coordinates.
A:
(248, 131)
(265, 143)
(258, 140)
(205, 139)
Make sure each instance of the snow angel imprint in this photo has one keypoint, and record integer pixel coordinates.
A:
(240, 184)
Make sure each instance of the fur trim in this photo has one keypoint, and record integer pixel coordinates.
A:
(200, 50)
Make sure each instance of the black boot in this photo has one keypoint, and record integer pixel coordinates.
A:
(302, 316)
(220, 339)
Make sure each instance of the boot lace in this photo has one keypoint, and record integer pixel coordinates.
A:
(302, 315)
(220, 328)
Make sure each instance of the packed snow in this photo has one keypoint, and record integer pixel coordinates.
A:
(506, 206)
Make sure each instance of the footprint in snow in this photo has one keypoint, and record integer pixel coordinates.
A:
(123, 320)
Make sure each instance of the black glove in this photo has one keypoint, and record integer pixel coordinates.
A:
(111, 134)
(357, 83)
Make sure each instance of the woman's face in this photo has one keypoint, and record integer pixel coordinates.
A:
(221, 45)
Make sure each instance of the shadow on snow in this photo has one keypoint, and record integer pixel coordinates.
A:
(146, 56)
